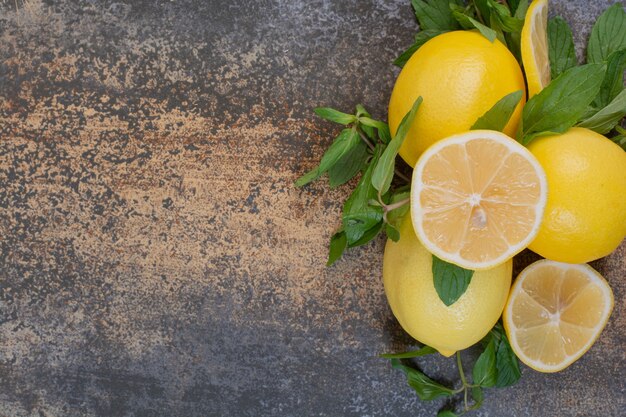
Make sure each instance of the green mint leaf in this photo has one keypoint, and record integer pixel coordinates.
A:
(381, 127)
(395, 216)
(450, 280)
(608, 34)
(613, 82)
(420, 39)
(392, 233)
(483, 9)
(495, 24)
(506, 363)
(423, 351)
(514, 5)
(506, 21)
(607, 118)
(338, 244)
(358, 215)
(513, 39)
(485, 372)
(426, 388)
(348, 165)
(477, 395)
(344, 143)
(468, 22)
(560, 47)
(435, 14)
(368, 236)
(562, 103)
(383, 174)
(499, 115)
(360, 111)
(446, 413)
(335, 115)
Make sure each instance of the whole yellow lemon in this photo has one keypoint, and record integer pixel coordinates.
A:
(585, 217)
(411, 293)
(460, 76)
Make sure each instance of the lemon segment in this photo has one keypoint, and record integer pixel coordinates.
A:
(534, 47)
(555, 313)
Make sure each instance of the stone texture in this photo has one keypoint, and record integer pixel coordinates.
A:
(155, 258)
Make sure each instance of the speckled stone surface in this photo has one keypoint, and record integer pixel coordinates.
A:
(155, 259)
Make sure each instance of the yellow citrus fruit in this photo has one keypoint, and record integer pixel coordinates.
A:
(408, 279)
(477, 198)
(555, 312)
(460, 76)
(585, 217)
(534, 46)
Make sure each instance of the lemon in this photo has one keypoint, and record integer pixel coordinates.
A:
(585, 217)
(408, 280)
(477, 198)
(556, 311)
(534, 47)
(460, 76)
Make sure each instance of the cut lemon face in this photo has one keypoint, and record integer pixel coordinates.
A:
(477, 198)
(534, 46)
(555, 313)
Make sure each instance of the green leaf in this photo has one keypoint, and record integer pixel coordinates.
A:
(335, 115)
(562, 103)
(499, 115)
(608, 34)
(360, 111)
(446, 413)
(607, 118)
(468, 22)
(514, 5)
(381, 127)
(483, 9)
(344, 143)
(368, 236)
(613, 82)
(506, 21)
(349, 165)
(434, 15)
(477, 395)
(450, 280)
(506, 363)
(513, 39)
(560, 47)
(357, 224)
(338, 244)
(423, 351)
(426, 388)
(485, 372)
(395, 216)
(392, 233)
(421, 38)
(383, 173)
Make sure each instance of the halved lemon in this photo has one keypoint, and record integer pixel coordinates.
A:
(555, 312)
(477, 198)
(534, 46)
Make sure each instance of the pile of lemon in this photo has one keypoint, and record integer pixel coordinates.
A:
(479, 197)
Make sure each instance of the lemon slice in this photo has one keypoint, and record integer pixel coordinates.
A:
(477, 198)
(534, 46)
(555, 312)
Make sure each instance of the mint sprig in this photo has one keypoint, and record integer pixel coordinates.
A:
(608, 34)
(561, 51)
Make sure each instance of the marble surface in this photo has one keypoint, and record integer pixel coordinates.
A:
(155, 257)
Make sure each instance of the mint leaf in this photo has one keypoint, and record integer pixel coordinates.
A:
(368, 236)
(506, 362)
(446, 413)
(608, 34)
(485, 372)
(450, 280)
(423, 351)
(420, 39)
(483, 10)
(435, 14)
(560, 46)
(477, 395)
(348, 165)
(513, 39)
(505, 20)
(426, 388)
(607, 118)
(383, 174)
(392, 233)
(381, 127)
(344, 143)
(335, 115)
(514, 5)
(613, 82)
(338, 244)
(395, 216)
(499, 115)
(468, 22)
(562, 103)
